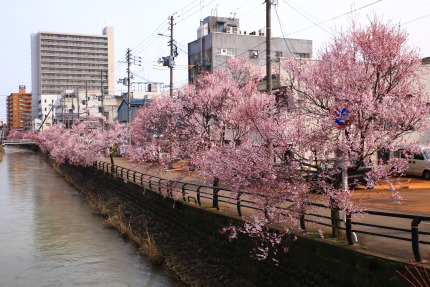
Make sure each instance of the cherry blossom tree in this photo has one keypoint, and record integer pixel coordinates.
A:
(83, 144)
(264, 144)
(371, 71)
(196, 119)
(17, 135)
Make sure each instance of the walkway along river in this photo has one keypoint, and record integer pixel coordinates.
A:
(50, 237)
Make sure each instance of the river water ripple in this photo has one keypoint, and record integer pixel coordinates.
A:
(50, 237)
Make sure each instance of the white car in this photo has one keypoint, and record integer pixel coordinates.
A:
(418, 164)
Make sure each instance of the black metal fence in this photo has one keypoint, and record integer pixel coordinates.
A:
(196, 193)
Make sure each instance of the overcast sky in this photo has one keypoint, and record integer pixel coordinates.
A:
(137, 24)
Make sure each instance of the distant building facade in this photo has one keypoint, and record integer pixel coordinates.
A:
(220, 37)
(135, 104)
(19, 110)
(62, 61)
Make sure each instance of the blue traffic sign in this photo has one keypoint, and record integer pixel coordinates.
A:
(342, 117)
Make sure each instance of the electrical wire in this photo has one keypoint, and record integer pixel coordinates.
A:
(323, 22)
(425, 16)
(315, 24)
(185, 18)
(283, 35)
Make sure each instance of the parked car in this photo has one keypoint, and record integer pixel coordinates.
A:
(121, 150)
(356, 176)
(418, 164)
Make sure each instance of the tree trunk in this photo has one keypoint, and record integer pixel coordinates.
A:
(111, 158)
(215, 193)
(336, 223)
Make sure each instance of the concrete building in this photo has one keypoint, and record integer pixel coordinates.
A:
(45, 112)
(219, 38)
(135, 104)
(62, 61)
(73, 105)
(19, 110)
(424, 137)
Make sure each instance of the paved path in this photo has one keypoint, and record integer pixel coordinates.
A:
(415, 191)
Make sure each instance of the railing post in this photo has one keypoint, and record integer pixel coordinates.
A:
(238, 204)
(198, 196)
(348, 227)
(415, 238)
(302, 222)
(170, 188)
(215, 198)
(183, 192)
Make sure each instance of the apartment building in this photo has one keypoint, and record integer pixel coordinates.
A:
(220, 37)
(19, 110)
(62, 61)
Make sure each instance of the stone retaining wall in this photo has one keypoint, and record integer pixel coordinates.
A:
(193, 248)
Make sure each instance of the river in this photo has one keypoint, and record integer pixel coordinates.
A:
(50, 237)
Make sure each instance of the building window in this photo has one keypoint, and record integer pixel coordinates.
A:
(302, 55)
(226, 52)
(220, 26)
(253, 54)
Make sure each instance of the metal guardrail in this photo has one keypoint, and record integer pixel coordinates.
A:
(17, 142)
(240, 201)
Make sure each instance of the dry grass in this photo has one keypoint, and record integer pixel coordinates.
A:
(116, 219)
(98, 205)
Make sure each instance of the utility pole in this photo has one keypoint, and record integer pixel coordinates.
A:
(73, 107)
(52, 102)
(201, 43)
(101, 91)
(128, 57)
(171, 55)
(78, 102)
(62, 110)
(86, 100)
(268, 47)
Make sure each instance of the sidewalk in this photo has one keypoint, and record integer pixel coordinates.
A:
(415, 191)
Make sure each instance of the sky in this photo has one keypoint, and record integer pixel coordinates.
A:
(137, 24)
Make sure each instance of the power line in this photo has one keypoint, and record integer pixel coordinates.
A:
(350, 12)
(149, 40)
(416, 19)
(315, 24)
(185, 18)
(282, 31)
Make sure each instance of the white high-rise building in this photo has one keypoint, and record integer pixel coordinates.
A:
(63, 61)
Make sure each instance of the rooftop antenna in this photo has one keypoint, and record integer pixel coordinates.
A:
(214, 12)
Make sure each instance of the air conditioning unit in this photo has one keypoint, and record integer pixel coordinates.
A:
(235, 30)
(229, 29)
(254, 54)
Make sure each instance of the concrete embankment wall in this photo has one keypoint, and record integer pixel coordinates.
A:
(194, 249)
(2, 152)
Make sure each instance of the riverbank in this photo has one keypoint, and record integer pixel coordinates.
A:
(186, 240)
(2, 152)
